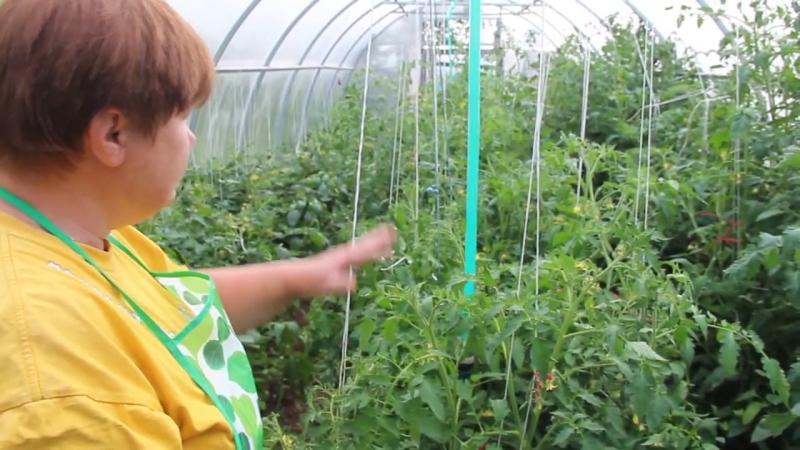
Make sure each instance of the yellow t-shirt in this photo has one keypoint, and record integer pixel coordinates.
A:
(77, 370)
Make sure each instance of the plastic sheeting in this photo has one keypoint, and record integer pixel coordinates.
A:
(281, 63)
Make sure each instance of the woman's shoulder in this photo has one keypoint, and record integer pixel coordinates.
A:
(147, 250)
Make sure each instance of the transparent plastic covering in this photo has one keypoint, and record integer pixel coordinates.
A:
(281, 63)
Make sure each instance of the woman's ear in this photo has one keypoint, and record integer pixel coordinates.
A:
(104, 138)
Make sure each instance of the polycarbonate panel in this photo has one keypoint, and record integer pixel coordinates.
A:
(373, 19)
(682, 21)
(256, 132)
(220, 118)
(336, 33)
(262, 30)
(372, 22)
(322, 25)
(213, 20)
(390, 51)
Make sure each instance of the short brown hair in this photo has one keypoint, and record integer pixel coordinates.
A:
(64, 61)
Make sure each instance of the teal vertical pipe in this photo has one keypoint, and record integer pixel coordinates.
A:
(473, 144)
(449, 33)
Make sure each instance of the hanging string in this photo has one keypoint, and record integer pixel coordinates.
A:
(397, 142)
(645, 66)
(418, 69)
(737, 147)
(436, 188)
(544, 73)
(587, 68)
(357, 194)
(650, 129)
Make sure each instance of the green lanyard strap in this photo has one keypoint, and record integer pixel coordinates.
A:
(34, 214)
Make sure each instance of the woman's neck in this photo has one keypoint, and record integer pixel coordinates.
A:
(72, 208)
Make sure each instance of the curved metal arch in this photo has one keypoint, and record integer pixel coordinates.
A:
(594, 14)
(307, 100)
(644, 19)
(352, 47)
(248, 105)
(532, 13)
(544, 33)
(226, 42)
(522, 15)
(569, 21)
(633, 9)
(537, 27)
(720, 24)
(281, 122)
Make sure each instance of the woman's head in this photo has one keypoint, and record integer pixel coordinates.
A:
(96, 93)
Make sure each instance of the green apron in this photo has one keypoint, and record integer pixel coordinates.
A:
(207, 348)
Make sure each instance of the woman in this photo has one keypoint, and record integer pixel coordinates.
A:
(105, 342)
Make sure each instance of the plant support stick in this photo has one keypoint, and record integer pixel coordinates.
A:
(473, 159)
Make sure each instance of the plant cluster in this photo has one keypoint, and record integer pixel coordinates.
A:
(653, 307)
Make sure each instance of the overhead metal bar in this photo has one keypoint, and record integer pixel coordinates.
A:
(575, 27)
(226, 41)
(289, 83)
(644, 19)
(520, 3)
(524, 15)
(257, 69)
(720, 24)
(307, 101)
(594, 14)
(417, 11)
(489, 16)
(248, 105)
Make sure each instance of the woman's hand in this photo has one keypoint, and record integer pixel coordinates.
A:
(329, 271)
(256, 293)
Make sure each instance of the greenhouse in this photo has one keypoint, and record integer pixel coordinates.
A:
(596, 206)
(596, 203)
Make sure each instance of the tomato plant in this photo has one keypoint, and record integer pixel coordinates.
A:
(591, 330)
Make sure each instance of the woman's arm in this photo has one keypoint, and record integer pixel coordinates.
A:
(256, 293)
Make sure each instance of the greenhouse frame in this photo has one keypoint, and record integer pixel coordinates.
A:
(403, 224)
(278, 64)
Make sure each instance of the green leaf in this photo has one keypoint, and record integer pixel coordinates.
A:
(796, 409)
(562, 238)
(611, 335)
(777, 379)
(365, 330)
(641, 393)
(563, 436)
(768, 214)
(512, 325)
(431, 394)
(421, 420)
(674, 185)
(772, 425)
(390, 328)
(751, 412)
(701, 322)
(642, 350)
(591, 425)
(729, 353)
(293, 218)
(658, 409)
(464, 390)
(499, 409)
